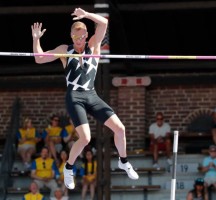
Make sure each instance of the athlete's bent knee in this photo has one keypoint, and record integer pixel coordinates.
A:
(85, 140)
(120, 131)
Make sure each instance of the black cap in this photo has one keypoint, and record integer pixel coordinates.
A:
(199, 181)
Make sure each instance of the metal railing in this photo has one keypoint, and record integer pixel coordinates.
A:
(9, 151)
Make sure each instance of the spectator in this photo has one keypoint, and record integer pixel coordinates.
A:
(33, 193)
(160, 139)
(71, 133)
(27, 137)
(59, 195)
(63, 160)
(53, 135)
(213, 129)
(44, 171)
(88, 172)
(209, 167)
(199, 192)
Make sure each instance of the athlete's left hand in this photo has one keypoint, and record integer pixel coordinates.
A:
(79, 13)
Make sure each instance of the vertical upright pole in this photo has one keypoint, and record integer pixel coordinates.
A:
(100, 141)
(103, 188)
(107, 132)
(175, 150)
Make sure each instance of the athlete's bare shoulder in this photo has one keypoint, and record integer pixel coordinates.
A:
(62, 49)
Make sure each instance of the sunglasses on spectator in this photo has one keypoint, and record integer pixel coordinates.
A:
(56, 120)
(44, 165)
(159, 118)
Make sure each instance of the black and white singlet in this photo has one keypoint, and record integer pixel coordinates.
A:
(81, 75)
(81, 98)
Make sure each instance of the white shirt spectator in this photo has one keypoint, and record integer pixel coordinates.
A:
(158, 131)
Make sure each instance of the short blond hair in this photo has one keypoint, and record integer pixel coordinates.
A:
(26, 121)
(78, 26)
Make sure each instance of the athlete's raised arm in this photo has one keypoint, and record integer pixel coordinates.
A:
(37, 33)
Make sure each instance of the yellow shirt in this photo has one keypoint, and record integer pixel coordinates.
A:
(30, 134)
(44, 168)
(61, 167)
(54, 132)
(90, 176)
(71, 131)
(30, 196)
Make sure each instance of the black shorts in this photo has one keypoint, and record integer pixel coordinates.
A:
(79, 103)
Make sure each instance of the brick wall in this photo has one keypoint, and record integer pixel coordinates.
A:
(39, 105)
(135, 106)
(179, 102)
(131, 111)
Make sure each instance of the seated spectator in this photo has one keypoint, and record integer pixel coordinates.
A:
(33, 193)
(27, 137)
(160, 139)
(71, 133)
(88, 172)
(63, 160)
(214, 126)
(209, 167)
(44, 171)
(59, 195)
(53, 135)
(199, 192)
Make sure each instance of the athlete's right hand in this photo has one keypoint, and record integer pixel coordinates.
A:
(36, 31)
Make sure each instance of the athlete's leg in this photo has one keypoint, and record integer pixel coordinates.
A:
(118, 128)
(84, 138)
(75, 102)
(104, 113)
